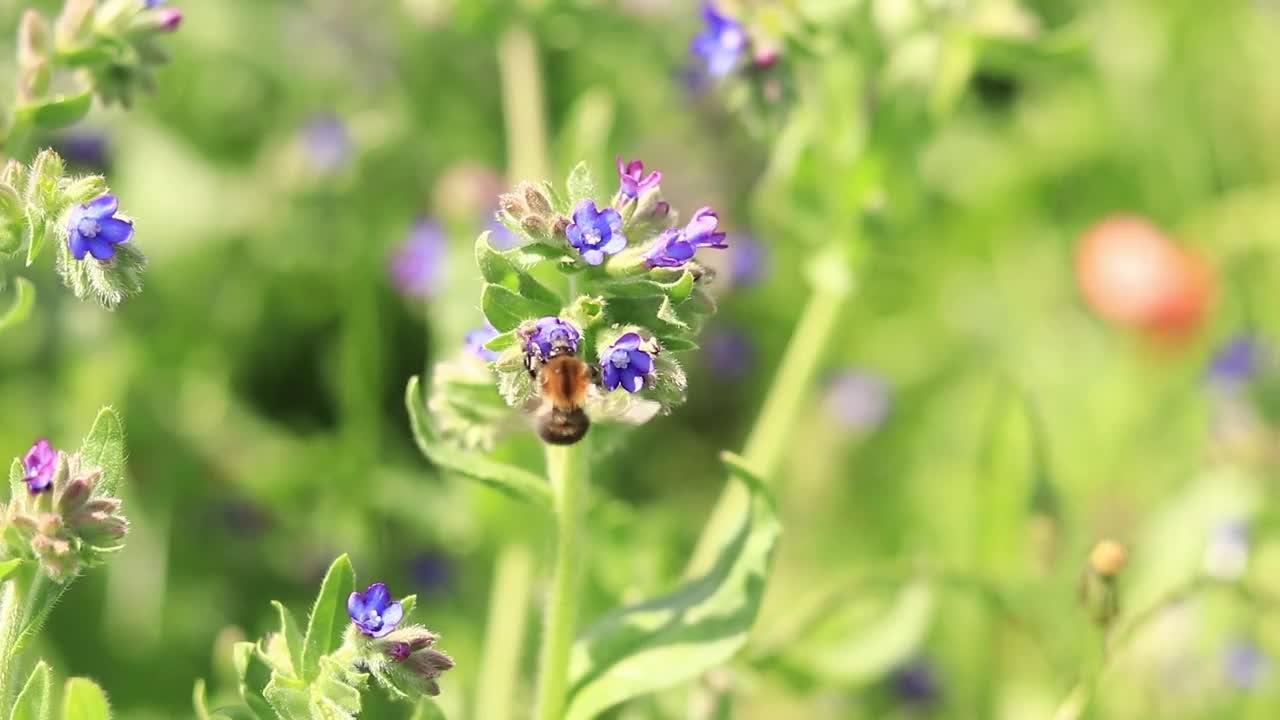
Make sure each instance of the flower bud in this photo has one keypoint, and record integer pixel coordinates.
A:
(1108, 558)
(534, 199)
(535, 226)
(12, 174)
(513, 206)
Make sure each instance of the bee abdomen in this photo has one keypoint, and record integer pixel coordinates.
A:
(562, 427)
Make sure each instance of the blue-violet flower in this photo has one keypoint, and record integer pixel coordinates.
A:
(94, 230)
(373, 611)
(858, 400)
(626, 364)
(1236, 362)
(595, 233)
(634, 180)
(418, 267)
(676, 247)
(40, 462)
(722, 44)
(549, 335)
(327, 142)
(476, 339)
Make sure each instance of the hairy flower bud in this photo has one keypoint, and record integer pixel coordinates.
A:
(513, 206)
(1099, 593)
(534, 199)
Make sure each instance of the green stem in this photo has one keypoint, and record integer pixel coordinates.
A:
(785, 404)
(568, 473)
(522, 105)
(10, 628)
(504, 632)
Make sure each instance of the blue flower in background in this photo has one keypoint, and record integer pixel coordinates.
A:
(1245, 665)
(88, 148)
(154, 3)
(858, 400)
(94, 230)
(327, 142)
(1236, 362)
(373, 611)
(722, 44)
(728, 353)
(549, 335)
(418, 267)
(677, 247)
(39, 463)
(596, 233)
(476, 339)
(1226, 554)
(633, 178)
(501, 238)
(625, 364)
(916, 683)
(748, 261)
(432, 571)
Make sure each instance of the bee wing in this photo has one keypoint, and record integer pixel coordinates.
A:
(622, 407)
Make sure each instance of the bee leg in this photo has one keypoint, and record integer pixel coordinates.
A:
(597, 377)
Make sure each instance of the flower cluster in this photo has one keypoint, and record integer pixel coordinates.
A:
(403, 659)
(63, 522)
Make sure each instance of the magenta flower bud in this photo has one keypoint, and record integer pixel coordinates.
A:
(40, 462)
(170, 19)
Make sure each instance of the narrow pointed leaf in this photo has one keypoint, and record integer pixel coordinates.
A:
(328, 617)
(33, 702)
(104, 448)
(82, 699)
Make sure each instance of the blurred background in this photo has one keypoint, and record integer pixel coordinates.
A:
(1061, 331)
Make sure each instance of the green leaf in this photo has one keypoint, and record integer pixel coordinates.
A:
(20, 309)
(675, 638)
(8, 566)
(254, 674)
(580, 185)
(82, 699)
(506, 309)
(328, 617)
(103, 448)
(58, 112)
(289, 630)
(17, 485)
(501, 342)
(33, 702)
(514, 481)
(288, 697)
(428, 710)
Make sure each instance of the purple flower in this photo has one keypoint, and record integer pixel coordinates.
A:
(154, 3)
(549, 336)
(327, 142)
(729, 353)
(633, 178)
(399, 651)
(1226, 555)
(677, 247)
(170, 19)
(94, 230)
(1245, 665)
(476, 339)
(418, 267)
(432, 571)
(87, 148)
(916, 683)
(596, 233)
(858, 400)
(748, 261)
(722, 44)
(373, 611)
(1236, 362)
(40, 462)
(625, 364)
(502, 237)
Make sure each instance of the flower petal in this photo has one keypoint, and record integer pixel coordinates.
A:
(631, 380)
(355, 605)
(103, 207)
(585, 213)
(617, 241)
(630, 341)
(377, 597)
(642, 362)
(593, 256)
(612, 377)
(100, 249)
(392, 616)
(612, 219)
(115, 231)
(79, 247)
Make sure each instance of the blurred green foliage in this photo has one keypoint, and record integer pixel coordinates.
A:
(262, 370)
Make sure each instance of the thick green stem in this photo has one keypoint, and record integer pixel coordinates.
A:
(504, 632)
(522, 105)
(568, 473)
(785, 403)
(10, 627)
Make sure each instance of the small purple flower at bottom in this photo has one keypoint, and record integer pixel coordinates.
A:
(327, 142)
(39, 463)
(418, 267)
(1245, 665)
(93, 229)
(677, 247)
(373, 611)
(625, 364)
(916, 683)
(476, 339)
(595, 233)
(1236, 362)
(548, 336)
(748, 261)
(858, 400)
(729, 353)
(722, 44)
(634, 181)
